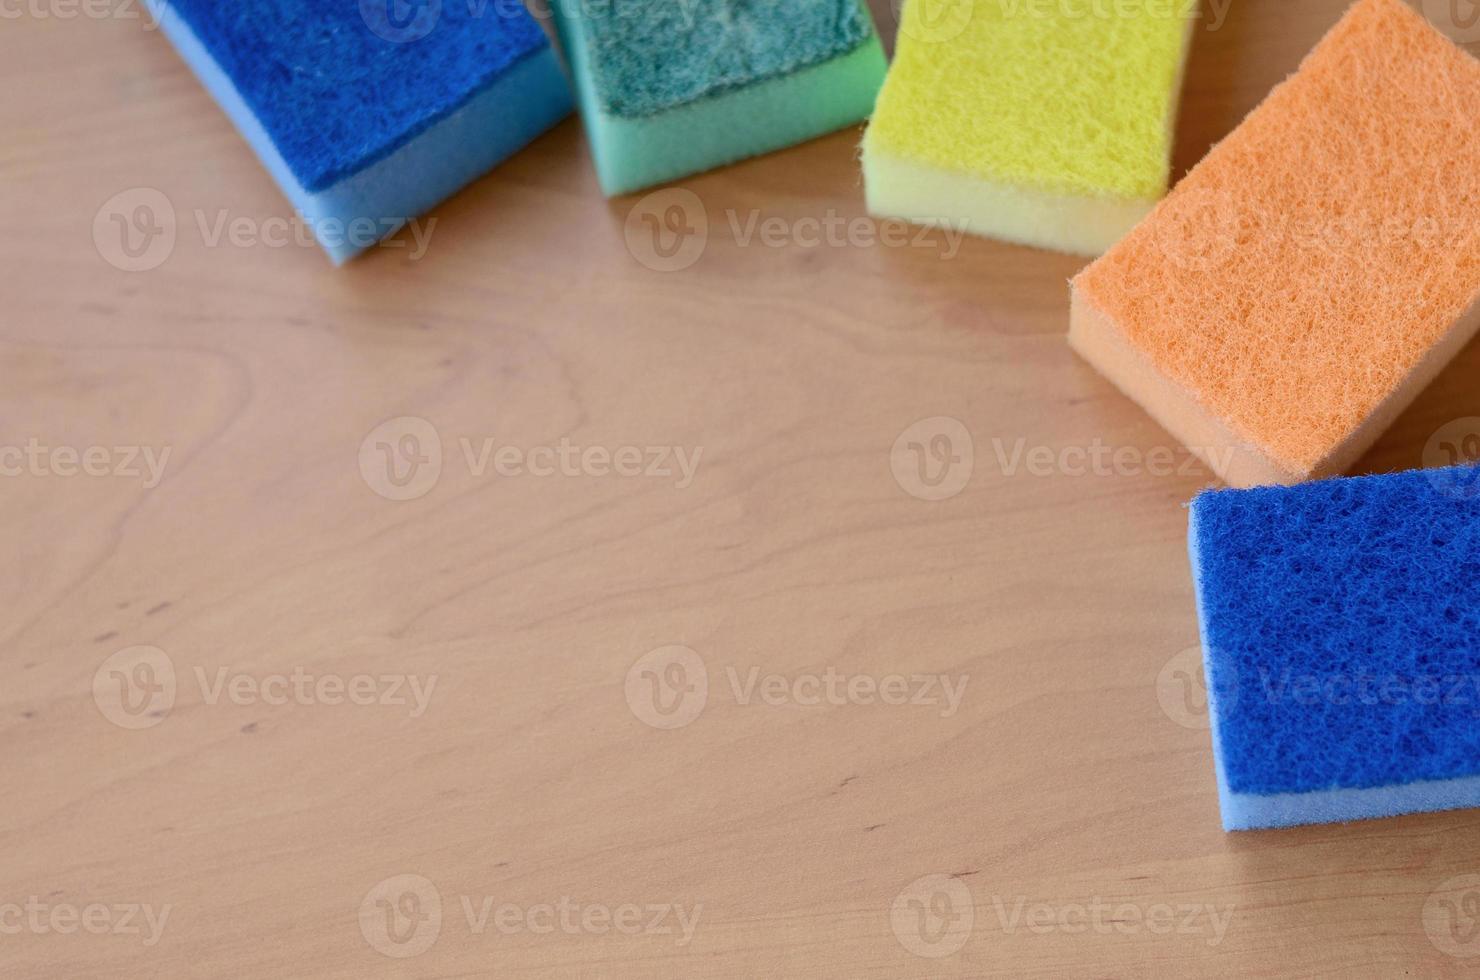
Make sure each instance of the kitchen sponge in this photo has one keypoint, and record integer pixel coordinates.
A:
(1341, 644)
(365, 119)
(673, 88)
(1044, 124)
(1315, 272)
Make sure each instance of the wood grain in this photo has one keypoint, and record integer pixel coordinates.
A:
(1072, 774)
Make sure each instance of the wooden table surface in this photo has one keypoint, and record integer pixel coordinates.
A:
(781, 599)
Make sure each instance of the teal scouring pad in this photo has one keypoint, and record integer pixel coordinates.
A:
(1341, 642)
(674, 87)
(366, 119)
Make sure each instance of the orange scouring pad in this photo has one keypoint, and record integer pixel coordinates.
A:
(1316, 271)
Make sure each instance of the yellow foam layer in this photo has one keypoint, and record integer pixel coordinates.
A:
(902, 188)
(1043, 112)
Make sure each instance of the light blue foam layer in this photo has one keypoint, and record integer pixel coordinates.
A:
(1252, 811)
(360, 210)
(1242, 811)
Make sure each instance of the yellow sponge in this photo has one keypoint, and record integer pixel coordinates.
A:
(1047, 124)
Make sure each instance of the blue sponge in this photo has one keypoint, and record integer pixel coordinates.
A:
(366, 118)
(1341, 641)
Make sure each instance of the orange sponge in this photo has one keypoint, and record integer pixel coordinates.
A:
(1317, 270)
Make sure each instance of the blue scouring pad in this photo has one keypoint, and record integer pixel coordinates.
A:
(1341, 641)
(369, 113)
(674, 87)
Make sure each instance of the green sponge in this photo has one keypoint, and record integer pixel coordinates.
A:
(673, 87)
(1048, 124)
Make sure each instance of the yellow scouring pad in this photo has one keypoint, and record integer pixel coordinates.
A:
(1043, 123)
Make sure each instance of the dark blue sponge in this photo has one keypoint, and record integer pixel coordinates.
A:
(368, 112)
(334, 87)
(1341, 637)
